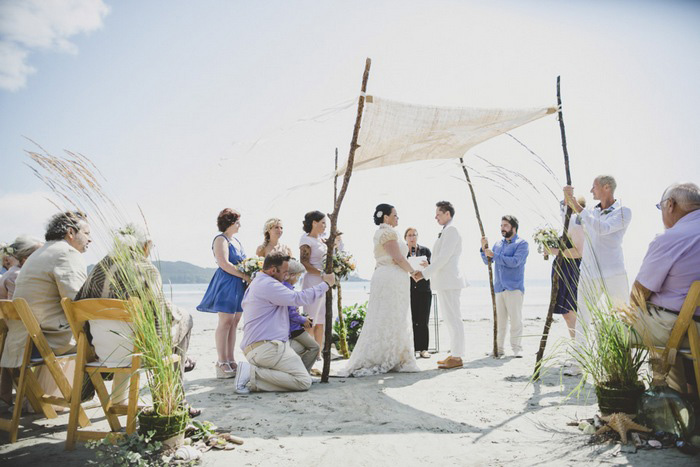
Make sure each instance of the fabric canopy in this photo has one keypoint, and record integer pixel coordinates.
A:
(394, 132)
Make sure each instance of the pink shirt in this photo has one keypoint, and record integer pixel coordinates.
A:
(672, 263)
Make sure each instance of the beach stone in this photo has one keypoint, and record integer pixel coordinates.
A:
(655, 443)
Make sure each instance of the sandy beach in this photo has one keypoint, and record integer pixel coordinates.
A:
(487, 413)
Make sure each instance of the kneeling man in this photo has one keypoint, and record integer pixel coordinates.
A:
(272, 363)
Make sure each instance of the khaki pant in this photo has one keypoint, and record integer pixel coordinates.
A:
(307, 348)
(274, 366)
(509, 307)
(655, 329)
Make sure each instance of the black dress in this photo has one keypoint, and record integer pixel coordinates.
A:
(421, 300)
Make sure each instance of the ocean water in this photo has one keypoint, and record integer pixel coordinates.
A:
(476, 299)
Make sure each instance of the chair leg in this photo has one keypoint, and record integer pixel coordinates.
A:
(105, 401)
(76, 391)
(19, 401)
(133, 402)
(694, 340)
(34, 388)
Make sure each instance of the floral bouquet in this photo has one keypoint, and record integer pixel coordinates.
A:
(546, 238)
(343, 265)
(250, 266)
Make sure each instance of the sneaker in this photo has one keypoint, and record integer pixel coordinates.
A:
(516, 354)
(242, 378)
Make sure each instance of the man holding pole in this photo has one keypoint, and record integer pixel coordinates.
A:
(509, 256)
(447, 281)
(603, 274)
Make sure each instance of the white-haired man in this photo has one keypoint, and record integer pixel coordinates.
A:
(603, 275)
(128, 272)
(671, 265)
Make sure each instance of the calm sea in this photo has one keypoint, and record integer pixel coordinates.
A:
(476, 299)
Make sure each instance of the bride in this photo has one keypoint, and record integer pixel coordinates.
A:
(386, 341)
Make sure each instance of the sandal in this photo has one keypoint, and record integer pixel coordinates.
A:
(224, 370)
(233, 365)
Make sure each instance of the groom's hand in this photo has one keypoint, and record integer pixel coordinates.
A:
(484, 243)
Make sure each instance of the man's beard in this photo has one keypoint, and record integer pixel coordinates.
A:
(506, 234)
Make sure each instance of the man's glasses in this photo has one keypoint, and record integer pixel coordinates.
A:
(659, 205)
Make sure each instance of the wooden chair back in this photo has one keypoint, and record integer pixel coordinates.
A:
(685, 326)
(78, 313)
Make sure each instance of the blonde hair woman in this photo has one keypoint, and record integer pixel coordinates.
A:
(272, 230)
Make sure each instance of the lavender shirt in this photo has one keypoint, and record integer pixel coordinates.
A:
(265, 308)
(672, 263)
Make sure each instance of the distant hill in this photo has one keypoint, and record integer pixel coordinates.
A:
(180, 272)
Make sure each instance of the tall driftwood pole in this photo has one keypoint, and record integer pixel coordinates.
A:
(342, 334)
(334, 225)
(490, 263)
(559, 260)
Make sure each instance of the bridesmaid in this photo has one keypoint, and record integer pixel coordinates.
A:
(312, 252)
(225, 291)
(421, 297)
(273, 230)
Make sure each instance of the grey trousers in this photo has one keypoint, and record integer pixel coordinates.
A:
(307, 348)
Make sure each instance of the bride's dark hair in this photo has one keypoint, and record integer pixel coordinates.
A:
(380, 211)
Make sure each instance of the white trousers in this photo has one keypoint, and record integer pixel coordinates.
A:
(448, 301)
(509, 307)
(599, 294)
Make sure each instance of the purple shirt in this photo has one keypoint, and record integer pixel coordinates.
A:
(672, 263)
(296, 321)
(265, 308)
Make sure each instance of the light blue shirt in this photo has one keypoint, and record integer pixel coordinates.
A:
(265, 308)
(509, 256)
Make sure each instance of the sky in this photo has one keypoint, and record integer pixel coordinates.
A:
(189, 108)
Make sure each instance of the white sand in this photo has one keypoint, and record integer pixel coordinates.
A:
(484, 414)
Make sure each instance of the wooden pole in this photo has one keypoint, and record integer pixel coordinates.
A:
(334, 225)
(489, 261)
(342, 334)
(559, 260)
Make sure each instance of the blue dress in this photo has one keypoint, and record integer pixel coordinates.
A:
(225, 291)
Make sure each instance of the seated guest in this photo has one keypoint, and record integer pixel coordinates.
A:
(671, 265)
(273, 366)
(112, 340)
(301, 341)
(7, 259)
(19, 251)
(54, 271)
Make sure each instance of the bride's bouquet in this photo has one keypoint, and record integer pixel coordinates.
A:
(250, 266)
(546, 238)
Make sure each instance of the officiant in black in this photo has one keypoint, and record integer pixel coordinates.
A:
(421, 297)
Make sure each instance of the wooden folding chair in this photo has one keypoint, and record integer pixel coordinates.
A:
(27, 384)
(686, 326)
(78, 313)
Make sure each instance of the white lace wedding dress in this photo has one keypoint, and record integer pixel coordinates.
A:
(386, 341)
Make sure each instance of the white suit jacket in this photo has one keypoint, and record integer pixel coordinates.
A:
(443, 272)
(54, 271)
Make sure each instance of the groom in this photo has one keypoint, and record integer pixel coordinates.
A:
(447, 281)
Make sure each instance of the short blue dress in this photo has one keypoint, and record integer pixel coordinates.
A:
(225, 291)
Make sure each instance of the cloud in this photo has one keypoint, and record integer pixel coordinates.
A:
(30, 25)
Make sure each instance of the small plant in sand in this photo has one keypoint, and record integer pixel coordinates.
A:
(609, 354)
(354, 319)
